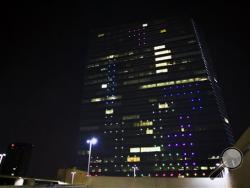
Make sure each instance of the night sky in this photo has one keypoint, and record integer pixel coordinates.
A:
(41, 77)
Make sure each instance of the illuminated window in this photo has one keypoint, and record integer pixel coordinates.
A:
(103, 69)
(133, 159)
(226, 120)
(159, 47)
(163, 58)
(129, 117)
(113, 97)
(144, 25)
(161, 84)
(149, 131)
(148, 86)
(163, 31)
(104, 86)
(161, 71)
(163, 105)
(145, 149)
(109, 111)
(135, 150)
(162, 64)
(150, 149)
(163, 52)
(143, 123)
(110, 57)
(101, 35)
(96, 100)
(204, 168)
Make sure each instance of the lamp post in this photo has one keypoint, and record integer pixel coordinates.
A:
(1, 157)
(135, 168)
(91, 142)
(72, 177)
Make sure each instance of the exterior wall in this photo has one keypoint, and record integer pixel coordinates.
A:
(240, 176)
(109, 182)
(150, 99)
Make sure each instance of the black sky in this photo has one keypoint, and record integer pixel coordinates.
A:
(46, 44)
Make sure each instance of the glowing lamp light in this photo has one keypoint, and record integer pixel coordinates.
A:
(92, 141)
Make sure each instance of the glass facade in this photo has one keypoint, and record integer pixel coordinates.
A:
(152, 100)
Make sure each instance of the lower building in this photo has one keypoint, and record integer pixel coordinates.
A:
(17, 159)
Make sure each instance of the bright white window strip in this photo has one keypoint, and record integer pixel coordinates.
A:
(164, 105)
(159, 47)
(113, 97)
(161, 64)
(163, 52)
(161, 71)
(145, 149)
(162, 84)
(96, 100)
(104, 86)
(135, 150)
(144, 25)
(100, 35)
(150, 149)
(163, 58)
(109, 111)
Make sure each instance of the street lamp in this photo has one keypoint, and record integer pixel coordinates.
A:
(1, 157)
(91, 142)
(72, 176)
(134, 169)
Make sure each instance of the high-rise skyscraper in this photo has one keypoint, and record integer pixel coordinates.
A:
(153, 101)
